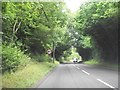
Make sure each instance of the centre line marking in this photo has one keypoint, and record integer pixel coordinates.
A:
(77, 67)
(74, 65)
(86, 72)
(105, 83)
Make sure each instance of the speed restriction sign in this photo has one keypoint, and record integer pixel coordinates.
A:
(49, 51)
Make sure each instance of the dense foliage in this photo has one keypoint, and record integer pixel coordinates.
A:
(34, 28)
(13, 57)
(97, 23)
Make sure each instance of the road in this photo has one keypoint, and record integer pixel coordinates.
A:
(80, 76)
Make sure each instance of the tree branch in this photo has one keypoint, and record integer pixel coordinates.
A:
(18, 27)
(45, 13)
(14, 26)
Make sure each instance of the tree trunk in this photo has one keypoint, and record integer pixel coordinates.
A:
(53, 51)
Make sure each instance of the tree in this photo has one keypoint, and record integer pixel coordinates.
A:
(98, 21)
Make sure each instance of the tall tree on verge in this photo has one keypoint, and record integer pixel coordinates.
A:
(33, 26)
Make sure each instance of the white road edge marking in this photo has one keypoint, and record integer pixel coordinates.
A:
(86, 72)
(105, 83)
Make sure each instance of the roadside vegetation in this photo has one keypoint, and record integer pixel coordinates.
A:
(96, 23)
(92, 62)
(28, 76)
(30, 29)
(69, 55)
(97, 62)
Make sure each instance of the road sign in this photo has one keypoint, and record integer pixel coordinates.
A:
(49, 51)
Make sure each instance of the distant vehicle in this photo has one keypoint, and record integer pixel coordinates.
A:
(75, 60)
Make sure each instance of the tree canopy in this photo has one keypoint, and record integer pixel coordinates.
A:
(97, 22)
(34, 27)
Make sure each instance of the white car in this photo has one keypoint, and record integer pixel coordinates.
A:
(75, 60)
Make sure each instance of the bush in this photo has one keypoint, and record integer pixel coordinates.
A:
(42, 58)
(61, 60)
(93, 62)
(12, 58)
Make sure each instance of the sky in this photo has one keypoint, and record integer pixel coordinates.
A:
(74, 5)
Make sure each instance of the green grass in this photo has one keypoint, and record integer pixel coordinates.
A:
(92, 62)
(28, 76)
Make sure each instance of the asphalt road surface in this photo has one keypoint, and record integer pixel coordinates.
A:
(80, 76)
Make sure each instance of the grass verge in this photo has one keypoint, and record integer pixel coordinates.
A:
(92, 62)
(27, 77)
(105, 64)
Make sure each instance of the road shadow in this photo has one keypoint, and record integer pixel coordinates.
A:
(71, 62)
